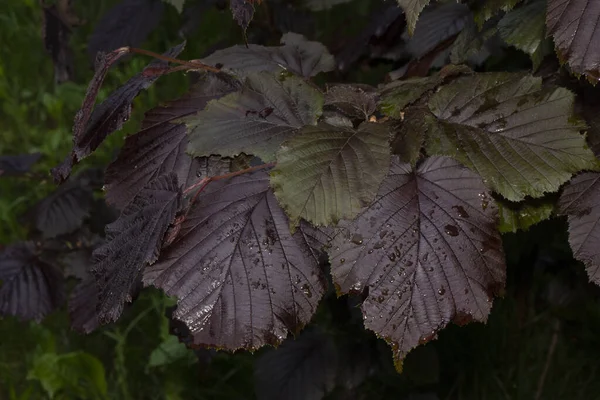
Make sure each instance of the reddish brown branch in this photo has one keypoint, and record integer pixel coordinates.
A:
(205, 181)
(189, 64)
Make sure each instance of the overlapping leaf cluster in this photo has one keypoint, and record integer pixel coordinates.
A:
(230, 196)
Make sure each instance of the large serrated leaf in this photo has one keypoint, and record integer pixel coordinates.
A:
(522, 140)
(297, 55)
(132, 241)
(579, 201)
(30, 288)
(428, 251)
(327, 173)
(268, 110)
(574, 26)
(160, 146)
(241, 278)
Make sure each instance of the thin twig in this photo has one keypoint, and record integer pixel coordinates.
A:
(190, 64)
(205, 181)
(551, 348)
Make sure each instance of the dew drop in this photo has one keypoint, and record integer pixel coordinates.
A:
(342, 260)
(357, 239)
(441, 291)
(461, 211)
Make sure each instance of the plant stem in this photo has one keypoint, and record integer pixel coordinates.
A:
(205, 181)
(190, 64)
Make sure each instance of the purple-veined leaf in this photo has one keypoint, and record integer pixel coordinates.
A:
(326, 173)
(242, 11)
(133, 241)
(92, 127)
(17, 165)
(522, 140)
(358, 101)
(268, 110)
(302, 368)
(126, 24)
(574, 26)
(83, 303)
(579, 201)
(65, 209)
(297, 55)
(241, 278)
(159, 148)
(427, 249)
(30, 287)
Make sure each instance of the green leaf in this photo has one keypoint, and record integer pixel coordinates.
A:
(77, 372)
(522, 140)
(327, 172)
(396, 96)
(491, 8)
(297, 55)
(525, 29)
(412, 9)
(410, 135)
(471, 42)
(268, 110)
(523, 215)
(170, 351)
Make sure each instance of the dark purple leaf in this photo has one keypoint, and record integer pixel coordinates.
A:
(160, 146)
(579, 201)
(242, 11)
(126, 24)
(82, 306)
(91, 128)
(56, 35)
(303, 368)
(64, 210)
(241, 278)
(428, 251)
(574, 26)
(132, 241)
(30, 288)
(17, 165)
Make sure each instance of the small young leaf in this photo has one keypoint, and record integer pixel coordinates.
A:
(327, 173)
(410, 135)
(574, 26)
(427, 249)
(525, 28)
(159, 148)
(523, 141)
(126, 24)
(30, 288)
(257, 120)
(91, 128)
(522, 216)
(352, 101)
(132, 241)
(412, 9)
(243, 12)
(489, 8)
(301, 368)
(17, 165)
(296, 55)
(471, 44)
(579, 201)
(241, 278)
(396, 96)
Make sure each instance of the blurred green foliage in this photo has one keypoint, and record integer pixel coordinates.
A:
(549, 307)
